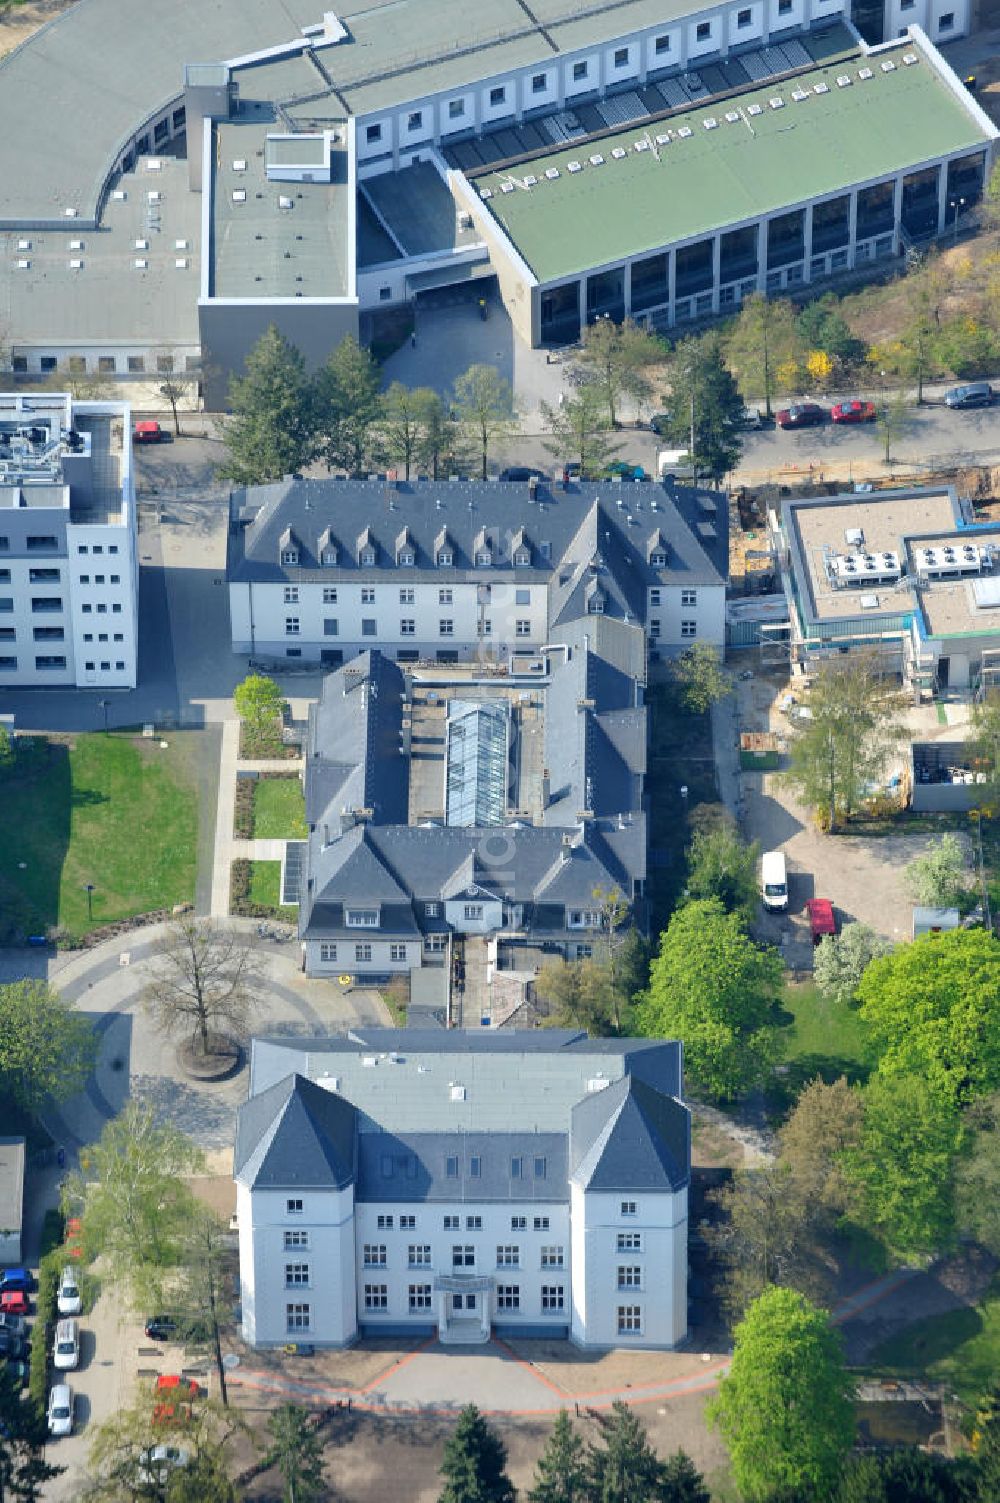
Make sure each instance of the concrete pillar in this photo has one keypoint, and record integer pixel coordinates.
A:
(442, 1314)
(716, 271)
(897, 208)
(671, 282)
(852, 226)
(807, 242)
(627, 288)
(583, 304)
(942, 198)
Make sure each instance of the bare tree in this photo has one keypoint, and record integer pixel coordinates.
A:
(203, 982)
(175, 387)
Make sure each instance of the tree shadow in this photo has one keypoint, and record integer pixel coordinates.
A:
(87, 798)
(36, 797)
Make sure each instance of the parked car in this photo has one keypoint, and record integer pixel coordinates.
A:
(68, 1299)
(14, 1302)
(161, 1327)
(173, 1399)
(660, 422)
(155, 1464)
(149, 432)
(66, 1348)
(14, 1325)
(522, 472)
(13, 1346)
(620, 469)
(17, 1367)
(973, 394)
(854, 411)
(60, 1411)
(74, 1234)
(822, 920)
(15, 1278)
(774, 881)
(801, 415)
(753, 418)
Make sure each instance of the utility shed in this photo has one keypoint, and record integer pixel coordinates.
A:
(11, 1198)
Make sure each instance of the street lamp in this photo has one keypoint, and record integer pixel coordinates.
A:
(102, 704)
(957, 204)
(89, 889)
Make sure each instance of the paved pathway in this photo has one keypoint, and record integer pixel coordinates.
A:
(223, 858)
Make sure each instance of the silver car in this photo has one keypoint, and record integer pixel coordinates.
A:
(60, 1411)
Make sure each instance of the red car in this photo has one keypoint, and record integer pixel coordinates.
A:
(853, 412)
(170, 1388)
(801, 415)
(821, 918)
(14, 1302)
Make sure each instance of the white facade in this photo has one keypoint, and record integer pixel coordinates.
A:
(68, 545)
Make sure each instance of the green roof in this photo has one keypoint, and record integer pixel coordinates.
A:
(766, 160)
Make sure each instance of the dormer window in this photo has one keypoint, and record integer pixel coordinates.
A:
(328, 558)
(483, 558)
(658, 559)
(522, 558)
(361, 918)
(368, 558)
(290, 557)
(445, 558)
(407, 558)
(596, 605)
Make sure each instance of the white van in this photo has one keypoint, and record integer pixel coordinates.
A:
(774, 881)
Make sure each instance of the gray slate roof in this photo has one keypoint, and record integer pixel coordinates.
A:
(295, 1135)
(418, 1166)
(630, 1137)
(352, 750)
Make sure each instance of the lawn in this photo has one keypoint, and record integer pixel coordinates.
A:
(279, 810)
(265, 889)
(115, 811)
(960, 1348)
(819, 1038)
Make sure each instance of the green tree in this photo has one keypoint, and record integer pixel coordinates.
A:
(841, 747)
(699, 677)
(484, 406)
(977, 1176)
(130, 1185)
(986, 1440)
(821, 326)
(825, 1124)
(46, 1049)
(984, 742)
(199, 1285)
(8, 751)
(933, 1008)
(23, 1468)
(475, 1461)
(721, 865)
(706, 410)
(765, 1235)
(786, 1406)
(893, 417)
(348, 408)
(624, 1468)
(258, 701)
(582, 431)
(122, 1470)
(938, 877)
(840, 960)
(204, 983)
(616, 359)
(583, 994)
(908, 1476)
(903, 1165)
(401, 426)
(439, 440)
(715, 990)
(298, 1454)
(560, 1474)
(272, 431)
(764, 337)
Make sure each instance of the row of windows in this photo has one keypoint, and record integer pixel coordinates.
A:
(46, 664)
(91, 667)
(38, 634)
(689, 598)
(407, 557)
(328, 952)
(376, 1297)
(407, 627)
(463, 1255)
(105, 365)
(688, 628)
(291, 595)
(625, 1241)
(96, 547)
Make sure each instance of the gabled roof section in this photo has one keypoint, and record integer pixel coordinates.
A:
(630, 1136)
(295, 1135)
(353, 758)
(351, 870)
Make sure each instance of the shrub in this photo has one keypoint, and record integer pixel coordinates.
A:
(53, 1231)
(239, 892)
(243, 809)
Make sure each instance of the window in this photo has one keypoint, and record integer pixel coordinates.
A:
(367, 596)
(327, 950)
(435, 944)
(419, 1255)
(406, 596)
(539, 83)
(331, 626)
(4, 576)
(463, 1255)
(291, 591)
(473, 912)
(485, 626)
(115, 578)
(407, 627)
(743, 18)
(40, 576)
(50, 663)
(45, 604)
(689, 628)
(329, 557)
(584, 918)
(446, 627)
(621, 57)
(407, 1223)
(48, 363)
(580, 71)
(456, 109)
(136, 365)
(99, 579)
(7, 634)
(689, 597)
(508, 1297)
(475, 1166)
(88, 636)
(7, 604)
(661, 46)
(445, 557)
(552, 1257)
(373, 134)
(553, 1297)
(298, 1317)
(473, 1223)
(118, 636)
(376, 1296)
(291, 626)
(444, 597)
(397, 952)
(596, 605)
(362, 918)
(654, 627)
(368, 626)
(629, 1242)
(451, 1166)
(384, 1223)
(498, 96)
(102, 610)
(362, 954)
(420, 1296)
(329, 594)
(522, 628)
(293, 1207)
(629, 1276)
(374, 1255)
(629, 1320)
(289, 556)
(49, 634)
(368, 558)
(629, 1208)
(296, 1274)
(484, 558)
(415, 120)
(539, 1168)
(116, 610)
(112, 548)
(703, 31)
(432, 910)
(120, 665)
(784, 7)
(451, 1223)
(947, 21)
(36, 541)
(296, 1239)
(519, 1223)
(541, 1223)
